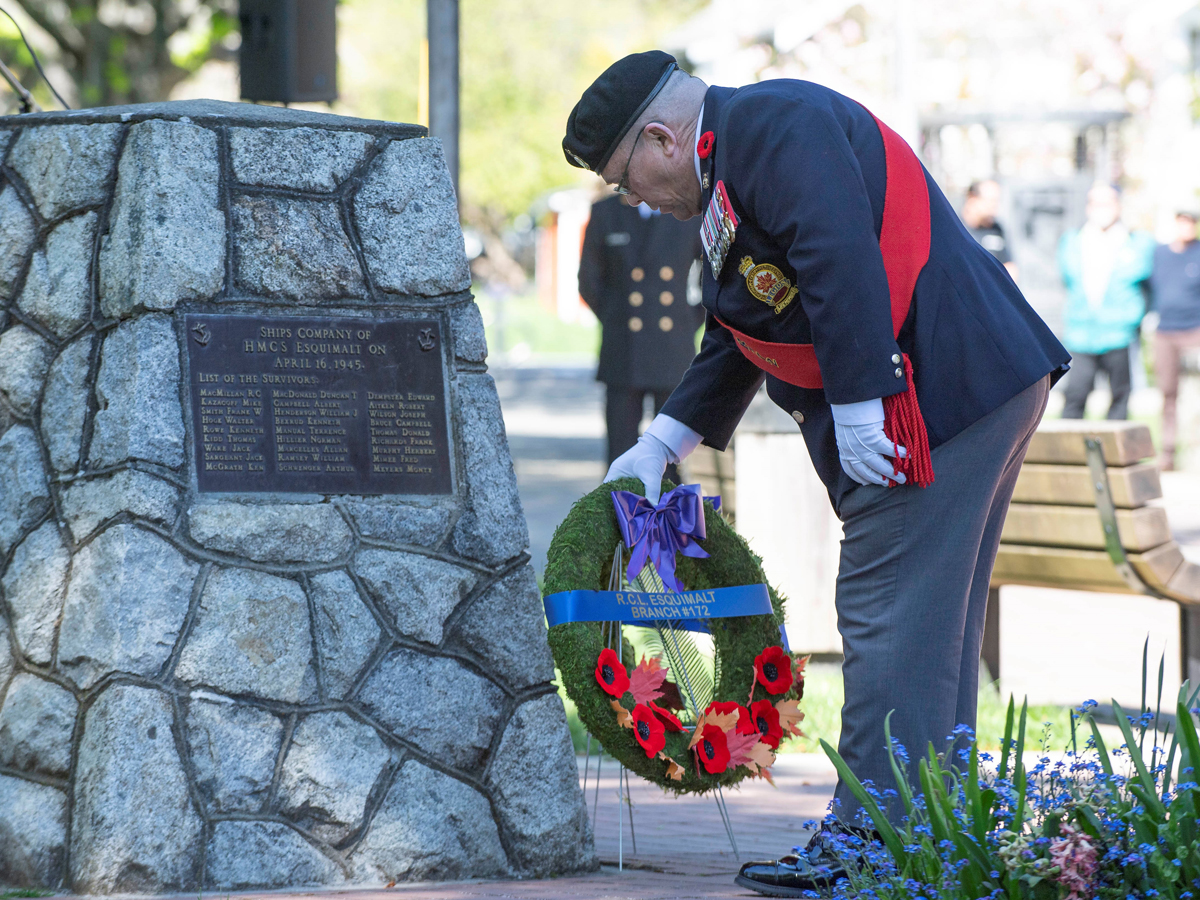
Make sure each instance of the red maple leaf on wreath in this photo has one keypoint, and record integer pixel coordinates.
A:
(645, 682)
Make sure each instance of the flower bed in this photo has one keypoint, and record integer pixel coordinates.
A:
(1111, 824)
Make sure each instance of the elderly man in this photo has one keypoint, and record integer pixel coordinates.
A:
(914, 368)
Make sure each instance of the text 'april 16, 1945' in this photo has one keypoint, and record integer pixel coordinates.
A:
(329, 406)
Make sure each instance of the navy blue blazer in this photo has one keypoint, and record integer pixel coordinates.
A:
(804, 168)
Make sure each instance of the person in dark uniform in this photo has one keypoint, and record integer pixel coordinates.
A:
(633, 273)
(979, 215)
(913, 366)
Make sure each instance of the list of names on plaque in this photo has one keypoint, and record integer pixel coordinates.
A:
(318, 405)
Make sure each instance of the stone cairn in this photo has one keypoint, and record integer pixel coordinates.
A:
(206, 691)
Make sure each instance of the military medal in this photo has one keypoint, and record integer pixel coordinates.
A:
(718, 228)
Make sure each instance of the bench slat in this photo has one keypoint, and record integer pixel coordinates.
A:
(1061, 441)
(1131, 486)
(1092, 570)
(1078, 526)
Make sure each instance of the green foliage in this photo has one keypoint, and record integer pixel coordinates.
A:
(25, 892)
(1108, 824)
(580, 558)
(524, 65)
(135, 52)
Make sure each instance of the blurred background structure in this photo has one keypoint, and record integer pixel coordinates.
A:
(1044, 97)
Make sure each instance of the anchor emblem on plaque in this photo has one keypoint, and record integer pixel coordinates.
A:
(426, 339)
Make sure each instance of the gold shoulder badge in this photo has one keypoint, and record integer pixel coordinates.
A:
(767, 283)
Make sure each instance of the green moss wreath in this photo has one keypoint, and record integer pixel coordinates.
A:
(580, 558)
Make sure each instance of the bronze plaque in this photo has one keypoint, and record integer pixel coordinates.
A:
(318, 405)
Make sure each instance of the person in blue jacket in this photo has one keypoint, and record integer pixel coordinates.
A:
(920, 338)
(1104, 267)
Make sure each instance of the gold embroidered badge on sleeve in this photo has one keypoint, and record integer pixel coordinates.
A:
(768, 284)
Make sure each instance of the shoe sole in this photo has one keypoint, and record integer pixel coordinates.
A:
(773, 890)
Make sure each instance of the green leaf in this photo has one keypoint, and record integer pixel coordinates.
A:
(887, 831)
(1147, 780)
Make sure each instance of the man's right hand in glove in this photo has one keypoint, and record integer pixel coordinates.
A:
(665, 441)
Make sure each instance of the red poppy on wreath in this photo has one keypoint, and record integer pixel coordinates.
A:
(704, 145)
(765, 717)
(667, 717)
(745, 724)
(611, 674)
(648, 730)
(773, 669)
(713, 749)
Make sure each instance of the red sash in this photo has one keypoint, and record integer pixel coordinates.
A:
(904, 243)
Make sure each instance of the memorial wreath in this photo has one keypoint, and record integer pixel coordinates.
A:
(711, 724)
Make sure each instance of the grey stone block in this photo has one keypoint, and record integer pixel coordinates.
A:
(408, 221)
(57, 289)
(346, 632)
(535, 785)
(251, 637)
(492, 528)
(431, 826)
(64, 404)
(278, 533)
(127, 598)
(33, 586)
(17, 234)
(386, 519)
(36, 723)
(295, 249)
(245, 855)
(328, 773)
(407, 693)
(7, 663)
(134, 829)
(470, 340)
(24, 358)
(417, 591)
(66, 166)
(33, 834)
(233, 750)
(307, 159)
(139, 416)
(88, 503)
(167, 176)
(507, 627)
(24, 495)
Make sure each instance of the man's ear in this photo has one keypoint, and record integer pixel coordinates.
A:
(664, 137)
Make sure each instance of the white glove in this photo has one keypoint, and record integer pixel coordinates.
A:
(665, 441)
(865, 451)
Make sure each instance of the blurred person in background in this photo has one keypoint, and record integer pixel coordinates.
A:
(1104, 267)
(1175, 289)
(633, 273)
(979, 215)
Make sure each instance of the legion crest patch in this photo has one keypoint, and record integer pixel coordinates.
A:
(768, 284)
(718, 228)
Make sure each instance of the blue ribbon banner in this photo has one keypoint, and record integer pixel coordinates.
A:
(638, 608)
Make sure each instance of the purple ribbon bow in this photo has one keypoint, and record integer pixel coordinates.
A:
(656, 533)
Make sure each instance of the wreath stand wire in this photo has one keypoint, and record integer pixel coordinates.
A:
(647, 580)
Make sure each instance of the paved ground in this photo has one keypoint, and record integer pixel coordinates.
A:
(555, 423)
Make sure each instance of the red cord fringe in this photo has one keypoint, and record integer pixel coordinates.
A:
(905, 427)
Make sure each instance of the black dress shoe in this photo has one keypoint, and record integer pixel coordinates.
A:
(814, 868)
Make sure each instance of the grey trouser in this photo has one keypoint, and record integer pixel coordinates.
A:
(912, 591)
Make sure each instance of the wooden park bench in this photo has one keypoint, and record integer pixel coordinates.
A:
(1080, 519)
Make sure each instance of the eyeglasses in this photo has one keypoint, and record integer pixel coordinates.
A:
(622, 187)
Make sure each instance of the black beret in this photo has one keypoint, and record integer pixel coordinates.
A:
(611, 106)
